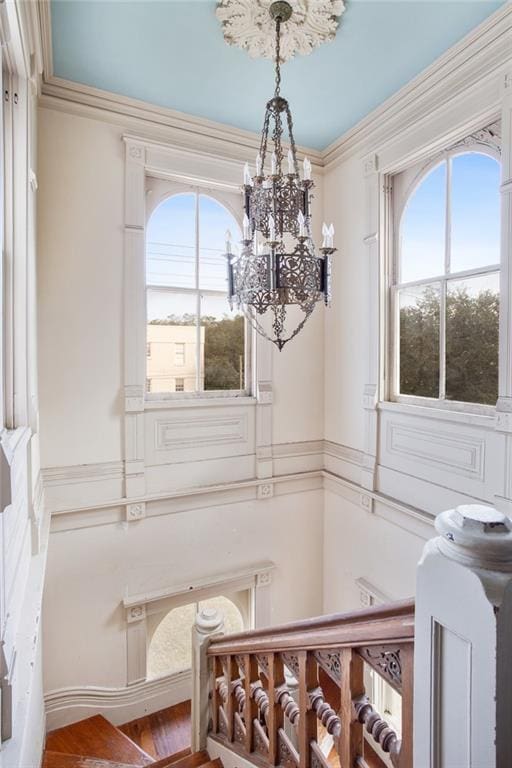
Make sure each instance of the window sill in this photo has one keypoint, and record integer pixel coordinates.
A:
(474, 415)
(198, 401)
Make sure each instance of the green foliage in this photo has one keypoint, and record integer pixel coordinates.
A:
(223, 352)
(472, 331)
(419, 346)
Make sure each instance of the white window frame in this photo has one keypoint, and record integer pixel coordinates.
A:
(171, 189)
(395, 218)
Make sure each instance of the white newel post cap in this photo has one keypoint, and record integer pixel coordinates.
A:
(209, 620)
(477, 536)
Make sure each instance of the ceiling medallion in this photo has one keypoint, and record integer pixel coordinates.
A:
(248, 24)
(278, 277)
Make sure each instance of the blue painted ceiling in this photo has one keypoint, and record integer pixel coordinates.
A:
(172, 53)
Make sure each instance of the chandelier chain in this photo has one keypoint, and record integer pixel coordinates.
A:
(278, 270)
(277, 91)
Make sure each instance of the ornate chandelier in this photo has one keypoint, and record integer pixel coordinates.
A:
(278, 278)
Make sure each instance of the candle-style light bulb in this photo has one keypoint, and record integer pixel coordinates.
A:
(228, 241)
(271, 229)
(302, 224)
(331, 236)
(247, 175)
(247, 227)
(291, 164)
(258, 164)
(325, 235)
(274, 164)
(307, 169)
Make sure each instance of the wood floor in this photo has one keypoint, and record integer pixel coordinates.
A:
(162, 733)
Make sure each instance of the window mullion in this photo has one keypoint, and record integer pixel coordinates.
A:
(198, 302)
(447, 267)
(442, 341)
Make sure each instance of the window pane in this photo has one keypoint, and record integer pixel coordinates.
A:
(423, 230)
(170, 649)
(172, 340)
(223, 344)
(170, 243)
(214, 222)
(472, 330)
(475, 231)
(419, 340)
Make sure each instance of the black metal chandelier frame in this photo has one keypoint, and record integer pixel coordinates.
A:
(278, 266)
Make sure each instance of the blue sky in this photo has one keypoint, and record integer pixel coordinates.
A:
(475, 219)
(171, 235)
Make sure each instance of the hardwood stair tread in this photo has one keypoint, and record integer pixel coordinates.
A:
(97, 738)
(65, 760)
(164, 733)
(166, 762)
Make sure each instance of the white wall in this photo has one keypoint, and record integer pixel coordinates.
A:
(95, 558)
(405, 457)
(91, 570)
(81, 177)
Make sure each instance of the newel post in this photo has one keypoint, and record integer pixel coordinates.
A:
(463, 642)
(209, 623)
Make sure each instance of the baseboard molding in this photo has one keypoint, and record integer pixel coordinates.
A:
(118, 705)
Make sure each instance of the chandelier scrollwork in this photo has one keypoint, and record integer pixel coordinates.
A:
(278, 277)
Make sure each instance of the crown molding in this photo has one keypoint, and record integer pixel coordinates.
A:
(486, 50)
(156, 123)
(45, 28)
(482, 54)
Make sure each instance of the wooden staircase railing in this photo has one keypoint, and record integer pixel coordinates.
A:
(255, 712)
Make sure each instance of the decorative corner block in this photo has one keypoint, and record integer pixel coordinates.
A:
(370, 397)
(135, 152)
(265, 490)
(136, 613)
(264, 578)
(136, 511)
(370, 164)
(265, 395)
(133, 399)
(366, 502)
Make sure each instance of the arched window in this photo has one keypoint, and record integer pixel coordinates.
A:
(195, 343)
(170, 648)
(445, 286)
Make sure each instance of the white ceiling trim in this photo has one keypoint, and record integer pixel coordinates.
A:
(483, 51)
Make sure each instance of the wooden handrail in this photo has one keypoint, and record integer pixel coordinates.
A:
(393, 622)
(252, 702)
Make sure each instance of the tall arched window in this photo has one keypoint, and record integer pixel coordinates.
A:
(195, 343)
(445, 286)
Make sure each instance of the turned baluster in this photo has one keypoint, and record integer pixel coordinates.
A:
(250, 708)
(275, 713)
(308, 680)
(378, 728)
(216, 672)
(231, 673)
(350, 745)
(325, 713)
(260, 696)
